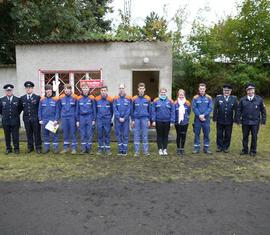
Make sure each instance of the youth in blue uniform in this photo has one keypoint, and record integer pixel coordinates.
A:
(104, 105)
(48, 111)
(202, 108)
(141, 115)
(122, 109)
(163, 116)
(224, 115)
(86, 118)
(182, 113)
(251, 113)
(67, 109)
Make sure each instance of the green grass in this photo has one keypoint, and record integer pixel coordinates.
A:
(218, 167)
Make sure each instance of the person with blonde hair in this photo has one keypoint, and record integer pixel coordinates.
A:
(182, 112)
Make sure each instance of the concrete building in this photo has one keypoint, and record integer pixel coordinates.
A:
(108, 62)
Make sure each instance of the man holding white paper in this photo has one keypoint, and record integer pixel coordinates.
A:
(48, 115)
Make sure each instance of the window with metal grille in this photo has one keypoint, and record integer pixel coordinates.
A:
(58, 79)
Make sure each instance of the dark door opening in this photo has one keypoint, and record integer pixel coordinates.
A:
(151, 80)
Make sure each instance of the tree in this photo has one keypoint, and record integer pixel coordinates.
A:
(59, 19)
(155, 28)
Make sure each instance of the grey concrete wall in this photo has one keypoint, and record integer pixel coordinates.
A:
(8, 75)
(117, 59)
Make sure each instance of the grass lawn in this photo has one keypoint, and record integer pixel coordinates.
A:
(219, 166)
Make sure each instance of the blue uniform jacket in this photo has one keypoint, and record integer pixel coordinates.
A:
(86, 106)
(186, 115)
(141, 107)
(67, 106)
(122, 107)
(251, 112)
(104, 107)
(48, 109)
(163, 110)
(202, 105)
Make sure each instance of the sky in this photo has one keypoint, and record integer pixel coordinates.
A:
(217, 9)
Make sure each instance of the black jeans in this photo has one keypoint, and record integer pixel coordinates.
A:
(11, 131)
(181, 132)
(224, 133)
(246, 129)
(163, 129)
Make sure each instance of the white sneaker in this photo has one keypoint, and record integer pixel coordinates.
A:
(160, 152)
(165, 152)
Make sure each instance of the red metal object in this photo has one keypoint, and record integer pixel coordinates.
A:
(93, 83)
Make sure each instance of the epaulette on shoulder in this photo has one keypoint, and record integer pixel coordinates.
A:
(62, 96)
(129, 97)
(109, 98)
(134, 97)
(116, 97)
(156, 99)
(147, 97)
(91, 97)
(55, 98)
(208, 96)
(42, 98)
(75, 96)
(188, 103)
(98, 98)
(79, 97)
(195, 96)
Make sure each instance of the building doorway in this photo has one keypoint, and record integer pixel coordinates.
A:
(151, 80)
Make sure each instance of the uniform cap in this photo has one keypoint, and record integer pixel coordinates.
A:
(227, 86)
(8, 87)
(29, 84)
(250, 86)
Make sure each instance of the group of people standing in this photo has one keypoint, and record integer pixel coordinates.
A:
(85, 112)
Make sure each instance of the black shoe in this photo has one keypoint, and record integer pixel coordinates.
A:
(218, 150)
(182, 152)
(225, 150)
(252, 154)
(38, 151)
(243, 152)
(178, 152)
(8, 151)
(16, 151)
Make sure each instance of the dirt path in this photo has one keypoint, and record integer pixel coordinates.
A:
(112, 207)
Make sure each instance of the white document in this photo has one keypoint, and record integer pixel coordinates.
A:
(51, 127)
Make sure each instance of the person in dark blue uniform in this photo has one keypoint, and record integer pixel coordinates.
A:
(10, 109)
(251, 113)
(30, 103)
(225, 109)
(202, 107)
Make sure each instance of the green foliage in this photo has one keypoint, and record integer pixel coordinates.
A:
(60, 19)
(155, 28)
(234, 50)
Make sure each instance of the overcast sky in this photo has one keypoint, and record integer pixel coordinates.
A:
(141, 8)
